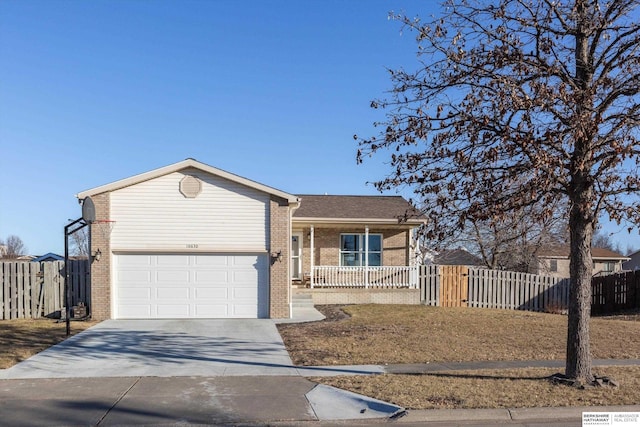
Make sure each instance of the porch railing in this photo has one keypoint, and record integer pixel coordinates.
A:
(364, 277)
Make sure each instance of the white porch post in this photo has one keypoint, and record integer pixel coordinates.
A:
(366, 256)
(311, 235)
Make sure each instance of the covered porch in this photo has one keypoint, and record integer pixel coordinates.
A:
(358, 258)
(354, 242)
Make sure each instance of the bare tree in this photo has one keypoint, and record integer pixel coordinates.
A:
(521, 103)
(79, 242)
(13, 247)
(509, 244)
(604, 240)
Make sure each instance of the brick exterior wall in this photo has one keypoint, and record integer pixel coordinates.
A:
(279, 240)
(395, 246)
(363, 296)
(100, 305)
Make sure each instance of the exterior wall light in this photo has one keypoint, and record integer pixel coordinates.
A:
(276, 256)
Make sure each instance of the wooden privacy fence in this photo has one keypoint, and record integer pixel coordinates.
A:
(615, 292)
(456, 286)
(445, 286)
(36, 289)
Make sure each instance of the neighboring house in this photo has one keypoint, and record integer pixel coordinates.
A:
(554, 261)
(50, 256)
(458, 256)
(190, 240)
(633, 263)
(3, 250)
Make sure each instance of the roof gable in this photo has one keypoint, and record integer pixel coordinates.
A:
(458, 256)
(336, 208)
(185, 164)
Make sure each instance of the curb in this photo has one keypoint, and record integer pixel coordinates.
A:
(510, 414)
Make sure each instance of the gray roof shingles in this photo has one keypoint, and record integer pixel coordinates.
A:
(366, 207)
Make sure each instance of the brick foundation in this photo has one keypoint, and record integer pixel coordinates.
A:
(363, 296)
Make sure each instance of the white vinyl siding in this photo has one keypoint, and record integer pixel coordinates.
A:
(155, 215)
(169, 286)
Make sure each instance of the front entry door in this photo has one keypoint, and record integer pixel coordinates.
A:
(296, 256)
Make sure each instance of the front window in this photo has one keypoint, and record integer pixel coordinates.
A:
(352, 250)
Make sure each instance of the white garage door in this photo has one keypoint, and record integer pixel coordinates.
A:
(169, 286)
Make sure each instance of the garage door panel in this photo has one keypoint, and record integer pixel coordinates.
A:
(171, 260)
(222, 261)
(172, 276)
(187, 285)
(133, 260)
(211, 276)
(243, 310)
(211, 310)
(246, 261)
(140, 293)
(242, 277)
(134, 277)
(170, 311)
(211, 293)
(247, 293)
(173, 293)
(134, 311)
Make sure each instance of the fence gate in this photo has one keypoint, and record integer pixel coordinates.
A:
(454, 286)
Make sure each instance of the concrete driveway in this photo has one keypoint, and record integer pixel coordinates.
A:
(163, 348)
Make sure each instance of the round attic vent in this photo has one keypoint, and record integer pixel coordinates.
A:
(190, 186)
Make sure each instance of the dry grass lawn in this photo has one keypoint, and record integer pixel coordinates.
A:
(517, 388)
(22, 338)
(379, 334)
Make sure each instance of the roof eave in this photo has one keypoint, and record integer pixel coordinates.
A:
(373, 221)
(136, 179)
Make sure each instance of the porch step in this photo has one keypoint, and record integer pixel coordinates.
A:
(301, 299)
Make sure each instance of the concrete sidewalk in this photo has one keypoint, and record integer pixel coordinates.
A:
(272, 400)
(180, 400)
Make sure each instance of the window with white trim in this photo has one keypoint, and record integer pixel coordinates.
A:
(352, 250)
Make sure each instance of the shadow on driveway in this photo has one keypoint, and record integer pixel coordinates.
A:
(122, 348)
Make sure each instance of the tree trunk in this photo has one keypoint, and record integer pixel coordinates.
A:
(578, 362)
(581, 216)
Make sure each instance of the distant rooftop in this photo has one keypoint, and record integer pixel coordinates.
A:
(563, 252)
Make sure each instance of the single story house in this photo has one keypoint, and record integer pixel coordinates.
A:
(192, 241)
(633, 263)
(554, 261)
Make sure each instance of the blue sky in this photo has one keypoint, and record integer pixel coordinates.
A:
(96, 91)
